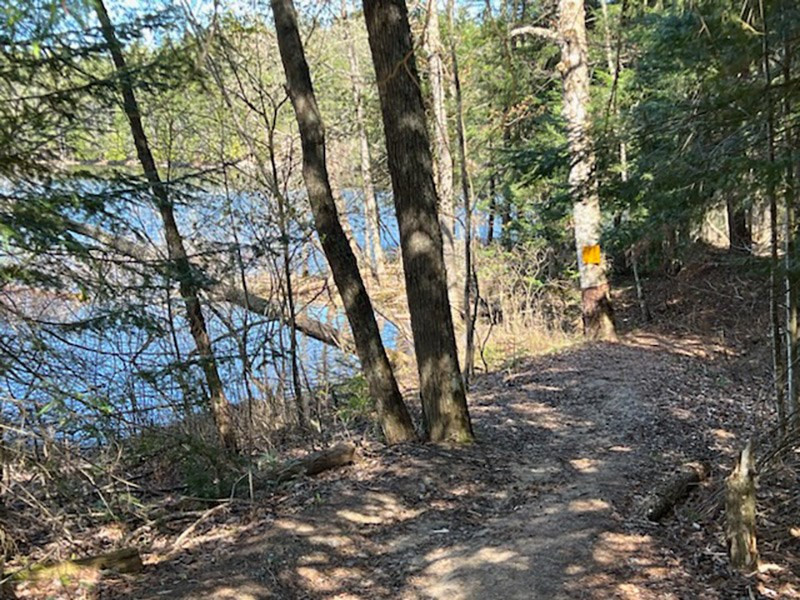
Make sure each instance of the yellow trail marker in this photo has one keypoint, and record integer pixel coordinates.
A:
(591, 255)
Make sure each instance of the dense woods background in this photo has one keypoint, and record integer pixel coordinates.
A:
(231, 230)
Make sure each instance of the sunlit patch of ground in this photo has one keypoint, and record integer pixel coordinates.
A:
(543, 506)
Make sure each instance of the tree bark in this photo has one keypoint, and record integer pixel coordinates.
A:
(220, 407)
(467, 195)
(315, 463)
(444, 401)
(505, 218)
(288, 281)
(492, 210)
(443, 159)
(394, 417)
(598, 318)
(673, 490)
(791, 233)
(781, 368)
(615, 70)
(778, 357)
(6, 544)
(740, 513)
(372, 224)
(739, 236)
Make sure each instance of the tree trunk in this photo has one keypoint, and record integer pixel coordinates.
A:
(466, 192)
(220, 407)
(362, 255)
(6, 544)
(598, 319)
(264, 307)
(394, 417)
(505, 219)
(778, 357)
(282, 204)
(505, 207)
(790, 200)
(444, 401)
(740, 239)
(492, 210)
(615, 70)
(443, 159)
(740, 513)
(288, 278)
(781, 367)
(372, 225)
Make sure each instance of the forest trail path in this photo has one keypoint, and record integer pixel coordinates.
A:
(544, 506)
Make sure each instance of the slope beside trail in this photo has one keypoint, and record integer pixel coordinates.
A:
(545, 505)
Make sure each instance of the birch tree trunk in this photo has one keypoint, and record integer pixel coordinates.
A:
(444, 402)
(394, 417)
(220, 407)
(443, 159)
(598, 320)
(372, 224)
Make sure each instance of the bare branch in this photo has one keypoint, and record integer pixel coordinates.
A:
(540, 32)
(221, 291)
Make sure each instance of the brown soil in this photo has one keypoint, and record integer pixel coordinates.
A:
(544, 506)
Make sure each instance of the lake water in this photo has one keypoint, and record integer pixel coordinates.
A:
(124, 374)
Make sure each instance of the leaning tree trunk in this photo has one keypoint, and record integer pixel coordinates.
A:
(444, 401)
(598, 319)
(372, 226)
(441, 143)
(266, 308)
(395, 420)
(220, 407)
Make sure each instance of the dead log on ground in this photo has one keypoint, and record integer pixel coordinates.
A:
(126, 560)
(740, 512)
(672, 491)
(339, 455)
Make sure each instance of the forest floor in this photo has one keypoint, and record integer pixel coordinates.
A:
(546, 504)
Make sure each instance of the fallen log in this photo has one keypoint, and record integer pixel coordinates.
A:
(339, 455)
(740, 513)
(125, 560)
(265, 307)
(673, 490)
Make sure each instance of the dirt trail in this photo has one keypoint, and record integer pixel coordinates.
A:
(544, 506)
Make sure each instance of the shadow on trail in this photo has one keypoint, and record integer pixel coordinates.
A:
(543, 506)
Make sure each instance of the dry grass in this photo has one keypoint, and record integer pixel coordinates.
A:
(524, 311)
